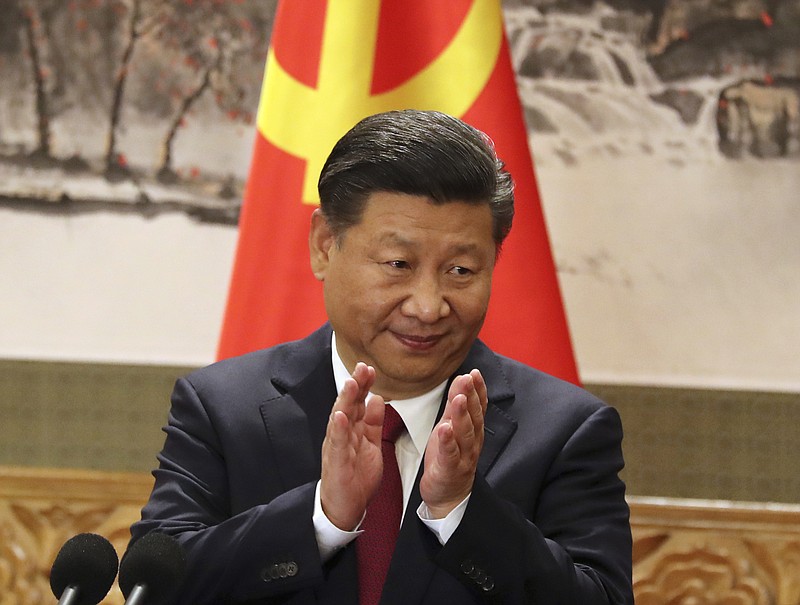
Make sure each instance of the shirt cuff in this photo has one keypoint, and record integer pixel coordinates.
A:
(329, 537)
(446, 527)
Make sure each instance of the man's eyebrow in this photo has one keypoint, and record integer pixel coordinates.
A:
(391, 237)
(397, 239)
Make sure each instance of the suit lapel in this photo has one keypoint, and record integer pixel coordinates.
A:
(296, 417)
(498, 429)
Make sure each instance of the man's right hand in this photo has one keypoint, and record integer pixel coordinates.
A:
(352, 463)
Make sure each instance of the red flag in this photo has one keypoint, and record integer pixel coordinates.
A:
(334, 62)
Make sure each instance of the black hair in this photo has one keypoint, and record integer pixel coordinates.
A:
(424, 153)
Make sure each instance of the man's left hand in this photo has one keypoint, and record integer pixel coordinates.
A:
(454, 446)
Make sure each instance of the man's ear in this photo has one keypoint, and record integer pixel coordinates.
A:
(320, 241)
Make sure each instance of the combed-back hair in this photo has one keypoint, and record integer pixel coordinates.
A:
(425, 153)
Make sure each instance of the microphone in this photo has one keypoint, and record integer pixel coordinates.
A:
(84, 570)
(152, 570)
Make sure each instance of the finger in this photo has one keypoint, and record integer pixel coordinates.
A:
(364, 376)
(480, 388)
(338, 436)
(447, 452)
(456, 387)
(464, 386)
(352, 398)
(475, 404)
(373, 419)
(461, 423)
(348, 400)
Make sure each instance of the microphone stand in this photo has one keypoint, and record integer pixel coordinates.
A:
(69, 596)
(136, 597)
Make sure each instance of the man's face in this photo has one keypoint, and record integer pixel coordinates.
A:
(407, 288)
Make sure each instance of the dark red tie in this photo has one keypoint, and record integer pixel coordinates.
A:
(381, 524)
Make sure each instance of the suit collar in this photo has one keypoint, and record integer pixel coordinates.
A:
(301, 359)
(482, 357)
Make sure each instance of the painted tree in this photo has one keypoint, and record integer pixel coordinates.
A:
(94, 68)
(34, 17)
(143, 17)
(218, 49)
(177, 53)
(69, 50)
(10, 58)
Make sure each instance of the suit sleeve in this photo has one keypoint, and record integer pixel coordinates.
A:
(575, 547)
(267, 550)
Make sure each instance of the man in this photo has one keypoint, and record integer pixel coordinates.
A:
(274, 461)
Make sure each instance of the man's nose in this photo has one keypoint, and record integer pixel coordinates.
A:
(426, 300)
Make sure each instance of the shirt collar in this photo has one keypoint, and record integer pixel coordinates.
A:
(418, 413)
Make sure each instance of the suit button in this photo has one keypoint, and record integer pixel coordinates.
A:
(479, 576)
(291, 569)
(488, 584)
(282, 570)
(467, 567)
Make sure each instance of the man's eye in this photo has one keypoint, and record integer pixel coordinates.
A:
(398, 264)
(459, 270)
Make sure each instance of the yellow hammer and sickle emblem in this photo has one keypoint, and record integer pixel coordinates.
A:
(306, 122)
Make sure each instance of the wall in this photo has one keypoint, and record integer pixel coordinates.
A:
(684, 443)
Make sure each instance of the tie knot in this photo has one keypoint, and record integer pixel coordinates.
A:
(393, 425)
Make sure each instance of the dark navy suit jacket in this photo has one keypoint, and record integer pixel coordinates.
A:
(547, 522)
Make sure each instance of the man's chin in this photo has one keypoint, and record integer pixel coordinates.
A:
(405, 381)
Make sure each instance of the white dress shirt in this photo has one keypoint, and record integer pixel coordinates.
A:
(419, 416)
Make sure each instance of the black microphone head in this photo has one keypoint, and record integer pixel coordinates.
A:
(87, 562)
(156, 561)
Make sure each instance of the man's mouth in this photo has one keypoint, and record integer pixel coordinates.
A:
(418, 342)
